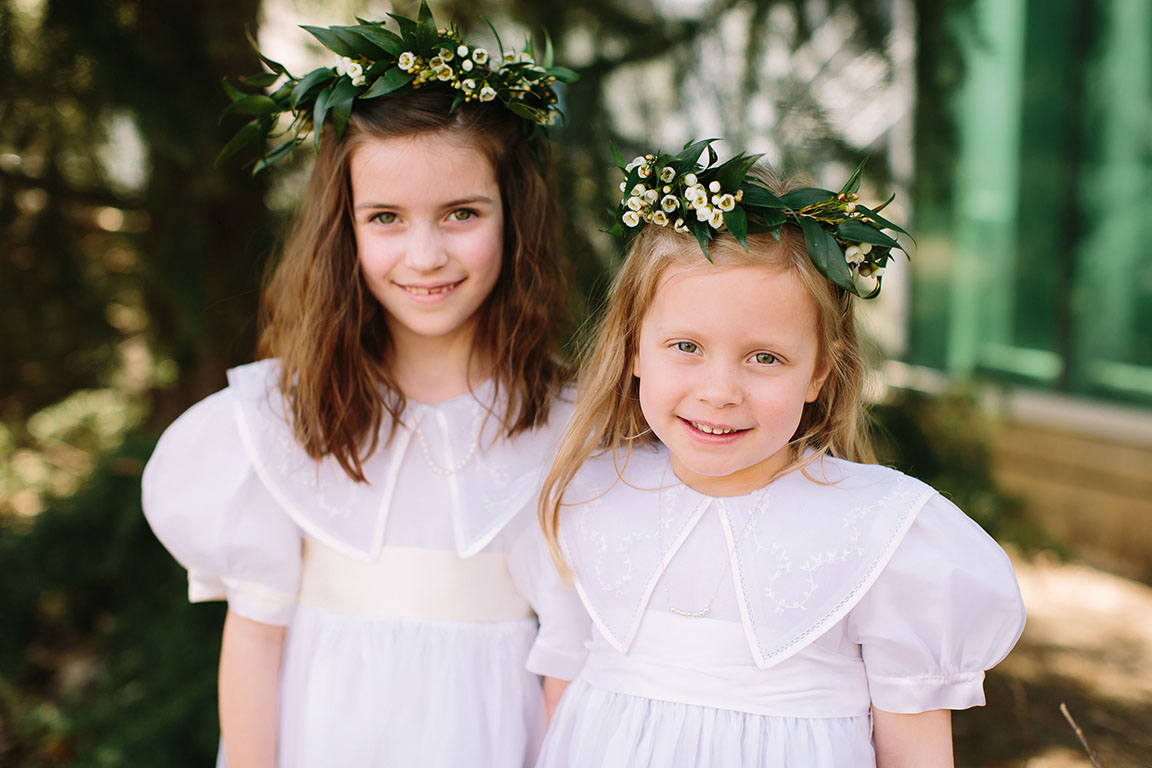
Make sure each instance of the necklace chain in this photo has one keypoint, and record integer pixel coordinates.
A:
(707, 609)
(458, 466)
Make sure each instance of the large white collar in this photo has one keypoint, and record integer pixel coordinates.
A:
(487, 492)
(810, 553)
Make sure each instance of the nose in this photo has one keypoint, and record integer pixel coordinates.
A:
(425, 249)
(719, 385)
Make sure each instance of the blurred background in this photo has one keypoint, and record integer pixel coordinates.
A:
(1012, 356)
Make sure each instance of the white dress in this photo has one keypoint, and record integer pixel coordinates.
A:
(411, 601)
(864, 589)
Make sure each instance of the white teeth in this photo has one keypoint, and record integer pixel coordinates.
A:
(418, 291)
(711, 430)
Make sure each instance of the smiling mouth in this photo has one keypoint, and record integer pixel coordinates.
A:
(711, 430)
(430, 290)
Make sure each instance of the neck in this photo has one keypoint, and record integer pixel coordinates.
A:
(432, 370)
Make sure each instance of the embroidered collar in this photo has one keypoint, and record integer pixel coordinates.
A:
(809, 555)
(487, 490)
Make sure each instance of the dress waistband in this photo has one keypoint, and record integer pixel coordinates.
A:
(411, 583)
(706, 662)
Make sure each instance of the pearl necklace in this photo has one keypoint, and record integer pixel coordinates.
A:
(456, 468)
(707, 609)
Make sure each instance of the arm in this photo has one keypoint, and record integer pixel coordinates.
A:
(249, 691)
(922, 740)
(553, 690)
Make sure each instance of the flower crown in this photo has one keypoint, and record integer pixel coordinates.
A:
(843, 237)
(376, 62)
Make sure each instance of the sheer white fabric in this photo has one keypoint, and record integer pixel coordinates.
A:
(404, 670)
(833, 598)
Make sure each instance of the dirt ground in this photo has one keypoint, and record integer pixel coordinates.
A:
(1088, 643)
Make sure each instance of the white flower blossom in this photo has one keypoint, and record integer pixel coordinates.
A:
(406, 61)
(703, 213)
(669, 203)
(865, 248)
(645, 171)
(487, 93)
(526, 59)
(717, 220)
(467, 65)
(639, 190)
(355, 71)
(468, 85)
(509, 57)
(635, 203)
(690, 179)
(726, 202)
(462, 51)
(444, 73)
(435, 62)
(866, 284)
(680, 226)
(659, 217)
(714, 187)
(342, 65)
(446, 54)
(651, 196)
(667, 174)
(850, 207)
(480, 56)
(361, 80)
(631, 218)
(852, 255)
(623, 186)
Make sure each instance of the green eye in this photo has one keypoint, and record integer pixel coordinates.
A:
(463, 214)
(384, 217)
(687, 346)
(765, 358)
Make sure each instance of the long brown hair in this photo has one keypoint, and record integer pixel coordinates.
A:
(608, 415)
(318, 316)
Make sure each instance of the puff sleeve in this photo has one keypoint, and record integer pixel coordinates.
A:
(945, 609)
(559, 649)
(207, 506)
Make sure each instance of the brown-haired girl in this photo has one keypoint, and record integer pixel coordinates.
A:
(762, 595)
(355, 496)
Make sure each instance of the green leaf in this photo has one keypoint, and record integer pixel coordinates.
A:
(262, 80)
(733, 171)
(340, 103)
(756, 195)
(356, 39)
(255, 104)
(621, 163)
(332, 41)
(852, 186)
(826, 254)
(802, 198)
(320, 111)
(737, 223)
(549, 55)
(424, 17)
(384, 39)
(880, 220)
(689, 156)
(703, 234)
(308, 83)
(233, 92)
(392, 80)
(249, 134)
(854, 231)
(524, 111)
(563, 74)
(277, 152)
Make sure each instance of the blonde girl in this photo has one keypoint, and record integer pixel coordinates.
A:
(354, 495)
(762, 594)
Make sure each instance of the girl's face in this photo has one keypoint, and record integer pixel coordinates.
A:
(429, 227)
(727, 357)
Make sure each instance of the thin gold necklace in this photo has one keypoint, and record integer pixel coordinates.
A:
(727, 560)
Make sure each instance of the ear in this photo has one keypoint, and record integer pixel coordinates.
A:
(636, 366)
(819, 376)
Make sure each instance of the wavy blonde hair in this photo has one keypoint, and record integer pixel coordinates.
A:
(608, 415)
(318, 316)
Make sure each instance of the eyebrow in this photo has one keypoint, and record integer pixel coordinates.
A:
(451, 204)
